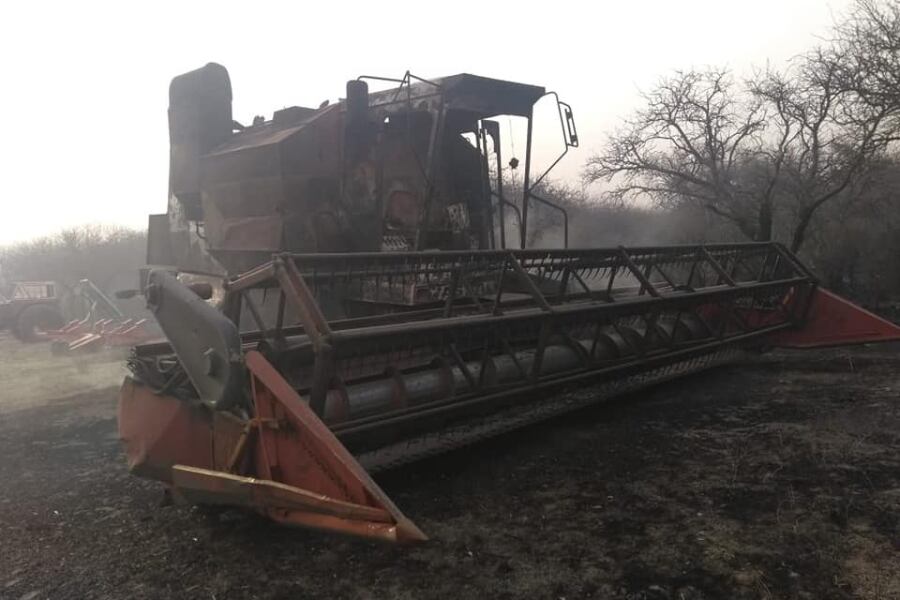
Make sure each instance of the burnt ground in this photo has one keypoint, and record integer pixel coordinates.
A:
(777, 478)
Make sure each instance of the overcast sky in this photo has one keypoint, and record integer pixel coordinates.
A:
(85, 84)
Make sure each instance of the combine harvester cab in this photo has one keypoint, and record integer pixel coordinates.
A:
(320, 367)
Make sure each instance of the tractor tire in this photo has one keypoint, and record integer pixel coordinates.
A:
(34, 319)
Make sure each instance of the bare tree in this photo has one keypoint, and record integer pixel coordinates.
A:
(854, 246)
(868, 40)
(687, 145)
(822, 136)
(786, 143)
(99, 253)
(766, 156)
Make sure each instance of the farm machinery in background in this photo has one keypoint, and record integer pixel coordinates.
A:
(28, 308)
(34, 312)
(102, 326)
(372, 304)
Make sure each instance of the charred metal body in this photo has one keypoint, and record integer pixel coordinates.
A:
(489, 326)
(383, 171)
(335, 354)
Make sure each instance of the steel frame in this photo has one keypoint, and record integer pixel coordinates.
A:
(467, 355)
(467, 309)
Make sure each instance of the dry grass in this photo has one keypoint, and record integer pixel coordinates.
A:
(31, 376)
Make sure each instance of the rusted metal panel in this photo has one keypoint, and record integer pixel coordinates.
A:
(482, 96)
(393, 172)
(199, 120)
(159, 431)
(834, 321)
(322, 466)
(263, 190)
(205, 486)
(159, 244)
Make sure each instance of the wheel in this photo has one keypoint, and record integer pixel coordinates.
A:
(34, 319)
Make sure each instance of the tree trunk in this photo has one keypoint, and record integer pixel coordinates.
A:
(800, 231)
(764, 225)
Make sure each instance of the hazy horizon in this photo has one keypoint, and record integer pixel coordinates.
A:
(87, 138)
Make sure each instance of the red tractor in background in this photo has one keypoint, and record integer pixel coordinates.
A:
(28, 308)
(74, 318)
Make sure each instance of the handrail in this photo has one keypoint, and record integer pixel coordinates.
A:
(570, 140)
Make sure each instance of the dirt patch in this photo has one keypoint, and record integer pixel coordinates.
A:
(30, 375)
(775, 479)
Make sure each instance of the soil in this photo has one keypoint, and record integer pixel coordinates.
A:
(775, 478)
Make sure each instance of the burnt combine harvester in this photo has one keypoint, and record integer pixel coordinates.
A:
(371, 313)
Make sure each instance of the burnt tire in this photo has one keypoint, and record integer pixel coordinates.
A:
(34, 319)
